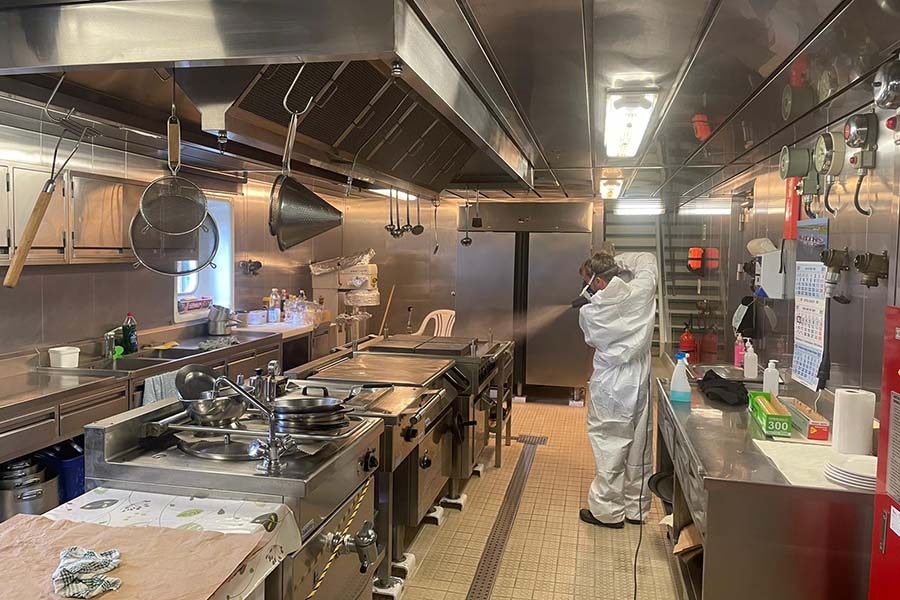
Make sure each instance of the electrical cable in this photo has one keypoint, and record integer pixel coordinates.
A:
(861, 210)
(829, 182)
(641, 495)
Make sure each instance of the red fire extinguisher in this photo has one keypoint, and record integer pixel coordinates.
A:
(688, 343)
(791, 207)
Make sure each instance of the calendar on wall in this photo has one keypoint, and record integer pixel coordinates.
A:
(809, 302)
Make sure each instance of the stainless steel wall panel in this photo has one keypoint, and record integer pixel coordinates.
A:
(553, 217)
(484, 294)
(556, 352)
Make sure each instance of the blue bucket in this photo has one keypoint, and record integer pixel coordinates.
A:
(67, 459)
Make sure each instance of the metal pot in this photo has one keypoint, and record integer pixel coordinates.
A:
(24, 480)
(19, 468)
(32, 500)
(216, 410)
(219, 313)
(219, 327)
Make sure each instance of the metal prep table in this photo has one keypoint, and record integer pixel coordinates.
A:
(484, 369)
(757, 528)
(133, 451)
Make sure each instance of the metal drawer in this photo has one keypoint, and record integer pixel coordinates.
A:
(344, 579)
(74, 415)
(27, 433)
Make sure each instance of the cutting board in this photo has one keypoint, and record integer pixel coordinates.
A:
(157, 563)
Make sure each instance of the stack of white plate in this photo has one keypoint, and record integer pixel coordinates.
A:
(853, 471)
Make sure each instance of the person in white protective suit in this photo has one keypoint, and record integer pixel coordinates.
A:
(618, 322)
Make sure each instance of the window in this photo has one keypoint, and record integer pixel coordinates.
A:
(195, 293)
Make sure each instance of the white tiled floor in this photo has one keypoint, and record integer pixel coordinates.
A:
(551, 554)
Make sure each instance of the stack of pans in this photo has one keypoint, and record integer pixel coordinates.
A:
(300, 412)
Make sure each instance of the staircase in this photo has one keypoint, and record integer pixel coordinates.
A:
(669, 237)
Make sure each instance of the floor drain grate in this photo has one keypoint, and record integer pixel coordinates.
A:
(537, 440)
(489, 565)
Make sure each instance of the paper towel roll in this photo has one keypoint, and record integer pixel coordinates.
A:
(854, 411)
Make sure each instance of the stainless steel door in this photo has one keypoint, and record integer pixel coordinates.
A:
(556, 352)
(27, 185)
(484, 285)
(97, 204)
(5, 212)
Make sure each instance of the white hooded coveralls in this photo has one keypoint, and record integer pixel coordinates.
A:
(618, 323)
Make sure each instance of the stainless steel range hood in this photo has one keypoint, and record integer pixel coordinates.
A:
(386, 94)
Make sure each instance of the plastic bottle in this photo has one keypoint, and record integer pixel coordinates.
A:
(680, 387)
(129, 334)
(274, 314)
(739, 351)
(751, 362)
(770, 379)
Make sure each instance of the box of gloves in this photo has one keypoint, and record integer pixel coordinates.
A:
(770, 414)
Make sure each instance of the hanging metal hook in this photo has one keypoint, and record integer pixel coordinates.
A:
(291, 89)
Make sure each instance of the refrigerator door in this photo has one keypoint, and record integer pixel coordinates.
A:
(557, 354)
(484, 285)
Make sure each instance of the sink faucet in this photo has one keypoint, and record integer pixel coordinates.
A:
(274, 445)
(109, 343)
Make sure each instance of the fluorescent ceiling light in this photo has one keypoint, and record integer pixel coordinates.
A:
(627, 117)
(636, 208)
(610, 188)
(707, 206)
(399, 194)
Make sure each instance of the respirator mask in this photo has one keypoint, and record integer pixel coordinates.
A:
(587, 291)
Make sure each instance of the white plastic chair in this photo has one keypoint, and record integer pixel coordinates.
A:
(443, 322)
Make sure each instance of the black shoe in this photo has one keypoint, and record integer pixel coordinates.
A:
(634, 521)
(586, 516)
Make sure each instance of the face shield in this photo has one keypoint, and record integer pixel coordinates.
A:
(587, 291)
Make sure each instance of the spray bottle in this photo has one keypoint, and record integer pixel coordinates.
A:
(680, 387)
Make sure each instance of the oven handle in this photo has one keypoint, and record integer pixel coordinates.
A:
(417, 416)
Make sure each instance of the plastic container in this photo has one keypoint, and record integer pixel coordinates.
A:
(680, 387)
(751, 362)
(770, 379)
(67, 459)
(129, 334)
(65, 357)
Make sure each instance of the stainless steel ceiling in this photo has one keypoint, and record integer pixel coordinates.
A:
(542, 69)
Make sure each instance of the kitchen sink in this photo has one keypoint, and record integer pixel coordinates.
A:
(171, 353)
(126, 363)
(726, 371)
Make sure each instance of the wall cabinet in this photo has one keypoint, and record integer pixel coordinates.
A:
(50, 243)
(102, 208)
(6, 225)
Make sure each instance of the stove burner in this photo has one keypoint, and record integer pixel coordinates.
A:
(221, 449)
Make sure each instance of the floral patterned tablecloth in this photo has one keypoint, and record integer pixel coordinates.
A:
(121, 508)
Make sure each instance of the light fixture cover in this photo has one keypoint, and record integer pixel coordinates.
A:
(627, 117)
(648, 207)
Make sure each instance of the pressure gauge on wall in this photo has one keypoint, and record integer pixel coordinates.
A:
(793, 162)
(886, 85)
(828, 155)
(861, 131)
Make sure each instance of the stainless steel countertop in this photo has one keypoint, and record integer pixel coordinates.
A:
(721, 438)
(386, 368)
(25, 387)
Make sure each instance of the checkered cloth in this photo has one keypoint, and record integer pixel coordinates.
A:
(79, 574)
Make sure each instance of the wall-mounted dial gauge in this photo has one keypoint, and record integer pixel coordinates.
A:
(861, 131)
(793, 162)
(886, 85)
(828, 155)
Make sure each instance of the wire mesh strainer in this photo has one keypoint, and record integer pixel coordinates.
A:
(174, 255)
(172, 204)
